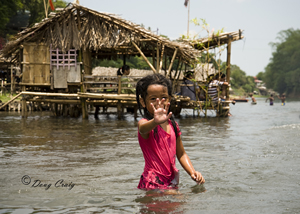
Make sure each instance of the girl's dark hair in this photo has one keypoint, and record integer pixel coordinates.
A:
(122, 69)
(141, 92)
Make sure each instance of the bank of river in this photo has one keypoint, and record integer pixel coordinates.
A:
(250, 162)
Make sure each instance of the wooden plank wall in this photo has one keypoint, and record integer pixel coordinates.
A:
(36, 64)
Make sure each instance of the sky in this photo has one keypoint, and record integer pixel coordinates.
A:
(260, 20)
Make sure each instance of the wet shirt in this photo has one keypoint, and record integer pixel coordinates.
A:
(159, 152)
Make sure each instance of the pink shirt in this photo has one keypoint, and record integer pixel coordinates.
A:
(159, 152)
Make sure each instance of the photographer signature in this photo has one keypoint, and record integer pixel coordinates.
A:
(26, 180)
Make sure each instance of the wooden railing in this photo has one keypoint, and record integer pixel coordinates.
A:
(110, 84)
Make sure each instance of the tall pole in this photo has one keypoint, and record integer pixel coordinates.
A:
(188, 25)
(46, 10)
(228, 65)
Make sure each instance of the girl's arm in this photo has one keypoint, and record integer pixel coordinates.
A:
(161, 115)
(186, 162)
(145, 127)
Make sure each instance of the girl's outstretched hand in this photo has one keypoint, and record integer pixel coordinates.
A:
(161, 111)
(196, 176)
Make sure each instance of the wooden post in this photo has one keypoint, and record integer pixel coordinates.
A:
(119, 105)
(157, 57)
(23, 106)
(87, 62)
(56, 109)
(46, 9)
(172, 61)
(161, 57)
(135, 112)
(166, 59)
(23, 102)
(124, 59)
(83, 100)
(188, 26)
(145, 58)
(153, 58)
(228, 66)
(11, 80)
(119, 84)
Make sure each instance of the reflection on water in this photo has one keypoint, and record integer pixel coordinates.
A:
(250, 162)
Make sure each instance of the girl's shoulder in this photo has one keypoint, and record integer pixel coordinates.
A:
(177, 127)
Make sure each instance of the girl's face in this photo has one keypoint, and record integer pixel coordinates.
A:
(154, 92)
(127, 72)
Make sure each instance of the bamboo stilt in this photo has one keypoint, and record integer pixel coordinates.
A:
(119, 110)
(135, 112)
(119, 84)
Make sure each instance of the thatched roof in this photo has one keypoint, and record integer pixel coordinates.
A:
(4, 63)
(213, 41)
(102, 33)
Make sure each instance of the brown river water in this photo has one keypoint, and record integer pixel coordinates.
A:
(251, 163)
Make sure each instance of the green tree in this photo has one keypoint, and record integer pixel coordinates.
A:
(239, 79)
(8, 8)
(16, 14)
(282, 74)
(261, 75)
(37, 9)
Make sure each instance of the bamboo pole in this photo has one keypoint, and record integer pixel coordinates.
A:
(157, 57)
(166, 59)
(145, 58)
(172, 61)
(153, 57)
(105, 102)
(83, 101)
(175, 81)
(228, 66)
(119, 106)
(119, 84)
(55, 101)
(24, 107)
(45, 9)
(107, 96)
(161, 57)
(11, 80)
(8, 102)
(188, 26)
(48, 94)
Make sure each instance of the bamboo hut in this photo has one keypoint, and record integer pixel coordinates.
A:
(55, 56)
(205, 45)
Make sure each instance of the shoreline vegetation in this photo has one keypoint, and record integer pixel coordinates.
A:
(6, 97)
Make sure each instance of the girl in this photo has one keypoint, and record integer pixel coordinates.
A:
(159, 136)
(124, 70)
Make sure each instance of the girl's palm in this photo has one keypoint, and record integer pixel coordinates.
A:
(161, 111)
